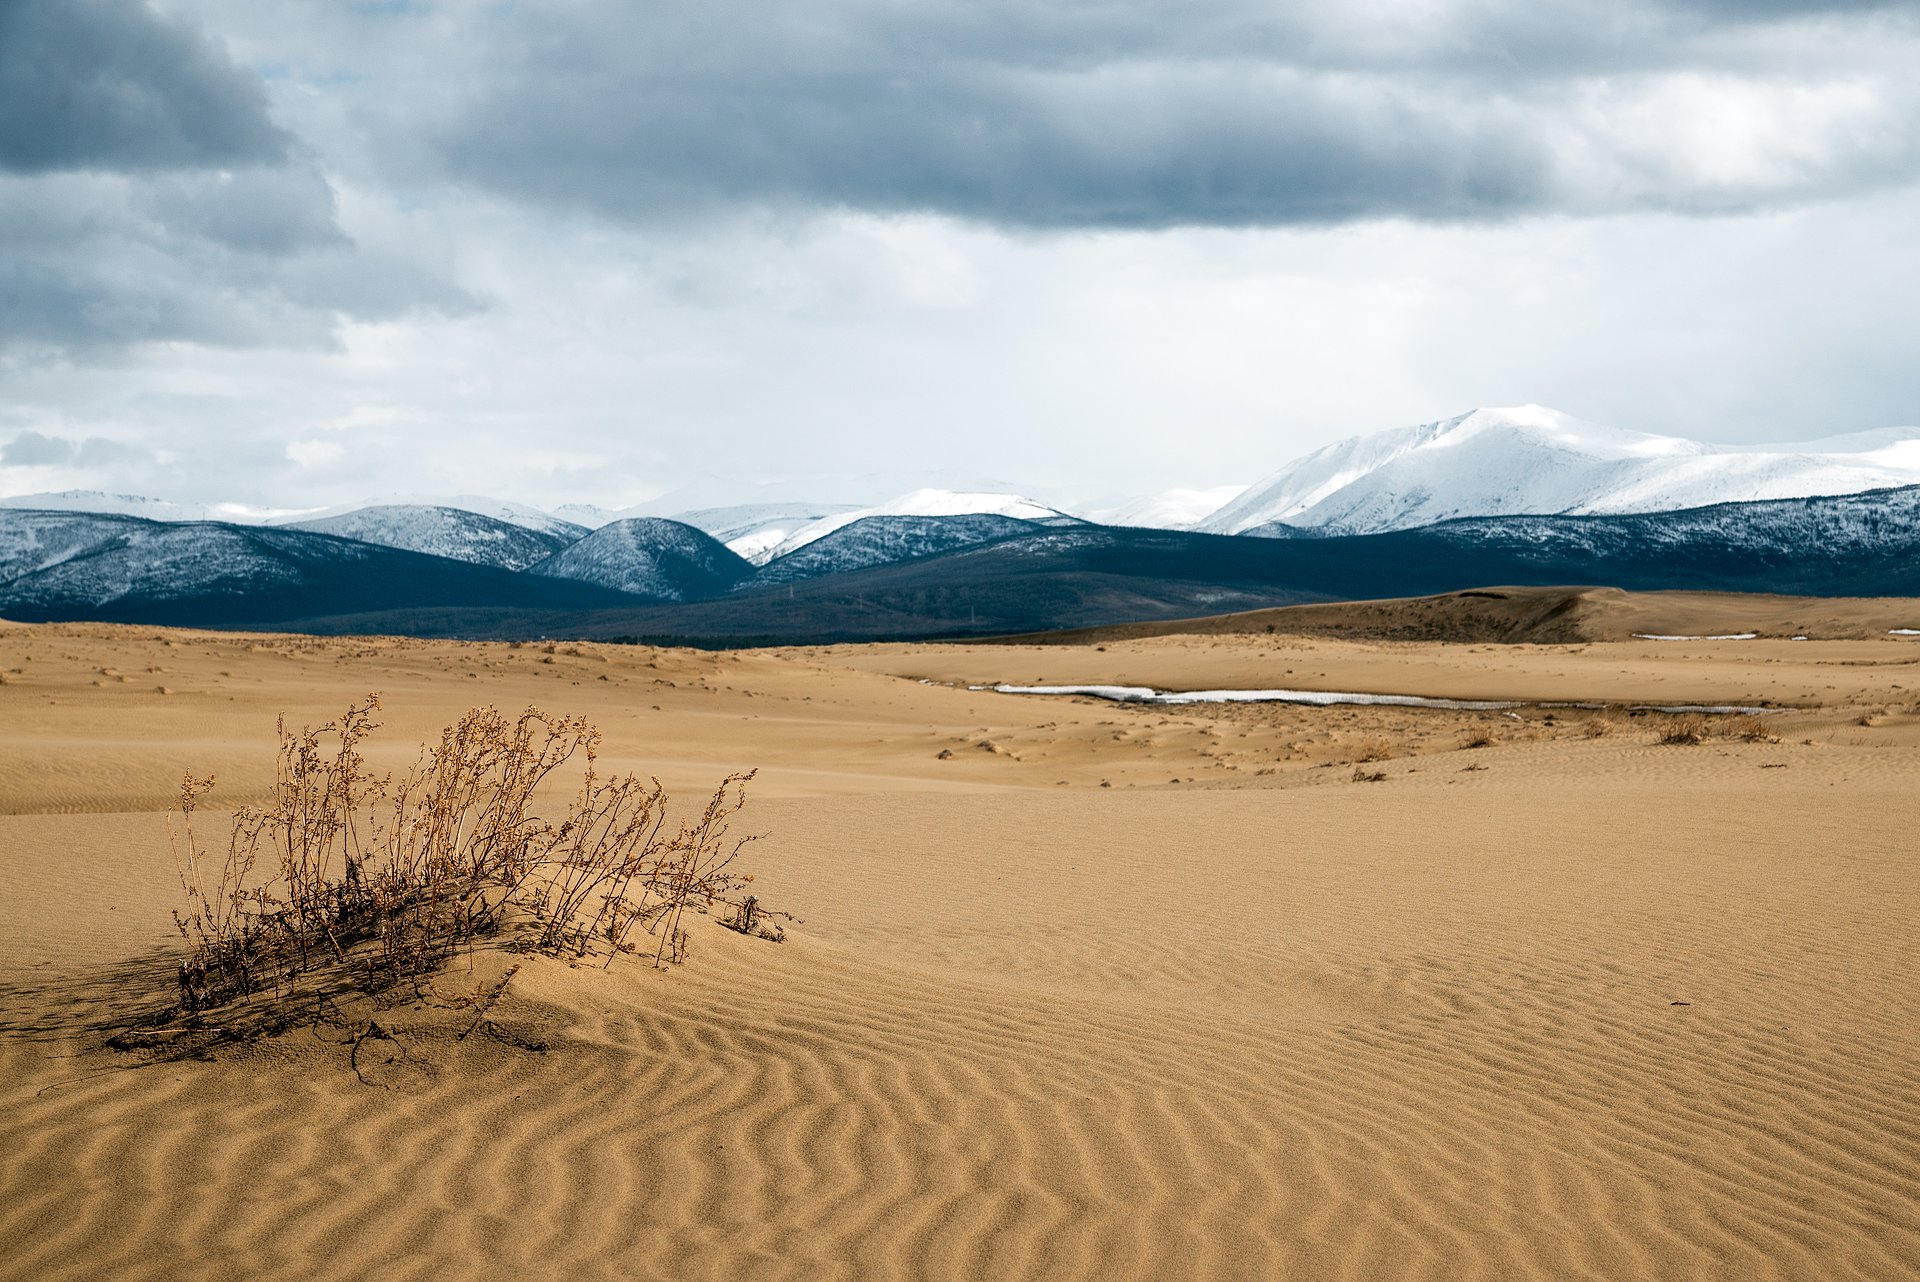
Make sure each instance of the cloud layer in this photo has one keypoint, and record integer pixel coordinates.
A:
(1150, 115)
(108, 84)
(259, 247)
(146, 195)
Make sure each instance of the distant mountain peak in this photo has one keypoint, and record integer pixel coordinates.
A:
(650, 556)
(105, 502)
(457, 533)
(925, 502)
(521, 514)
(1532, 460)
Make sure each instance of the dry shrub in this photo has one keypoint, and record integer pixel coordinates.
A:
(1695, 728)
(1690, 728)
(1479, 739)
(1363, 775)
(382, 880)
(1604, 721)
(1375, 748)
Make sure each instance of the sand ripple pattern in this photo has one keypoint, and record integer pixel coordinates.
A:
(838, 1119)
(1636, 1037)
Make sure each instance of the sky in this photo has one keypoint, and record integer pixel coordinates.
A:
(300, 253)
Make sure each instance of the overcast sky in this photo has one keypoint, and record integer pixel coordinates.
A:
(557, 250)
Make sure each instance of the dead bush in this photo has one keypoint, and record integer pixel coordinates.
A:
(1604, 721)
(1375, 748)
(1687, 729)
(380, 881)
(1695, 728)
(1751, 729)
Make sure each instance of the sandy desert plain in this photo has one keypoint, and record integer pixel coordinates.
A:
(1078, 989)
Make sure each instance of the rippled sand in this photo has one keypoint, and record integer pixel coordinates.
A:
(1571, 1004)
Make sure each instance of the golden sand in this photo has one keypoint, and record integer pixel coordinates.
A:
(1080, 989)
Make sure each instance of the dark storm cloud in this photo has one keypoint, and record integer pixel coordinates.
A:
(1151, 114)
(146, 195)
(1110, 147)
(108, 84)
(154, 186)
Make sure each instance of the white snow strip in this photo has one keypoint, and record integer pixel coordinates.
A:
(1330, 698)
(1903, 632)
(1312, 698)
(1723, 636)
(1718, 709)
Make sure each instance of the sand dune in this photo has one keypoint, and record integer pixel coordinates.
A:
(1554, 616)
(1573, 1004)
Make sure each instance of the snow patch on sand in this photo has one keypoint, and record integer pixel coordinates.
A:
(1718, 636)
(1332, 698)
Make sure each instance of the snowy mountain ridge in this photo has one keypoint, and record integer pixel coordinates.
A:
(66, 564)
(925, 503)
(754, 530)
(915, 576)
(104, 503)
(456, 533)
(1516, 461)
(1530, 460)
(521, 514)
(649, 556)
(888, 540)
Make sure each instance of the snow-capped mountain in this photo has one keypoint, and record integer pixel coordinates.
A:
(1175, 509)
(1531, 460)
(92, 565)
(507, 510)
(651, 557)
(911, 577)
(97, 559)
(1879, 523)
(884, 540)
(100, 501)
(925, 503)
(754, 530)
(444, 531)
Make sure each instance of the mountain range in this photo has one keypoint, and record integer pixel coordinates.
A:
(1531, 461)
(1522, 495)
(450, 532)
